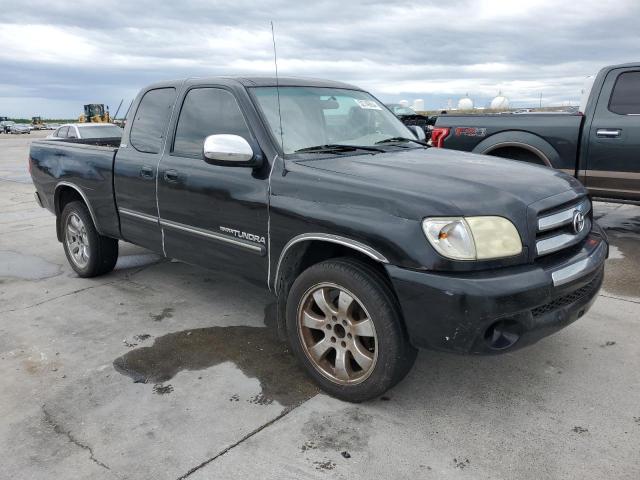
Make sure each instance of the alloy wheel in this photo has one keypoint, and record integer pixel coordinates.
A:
(337, 333)
(77, 240)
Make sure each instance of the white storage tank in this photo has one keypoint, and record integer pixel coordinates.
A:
(465, 103)
(500, 102)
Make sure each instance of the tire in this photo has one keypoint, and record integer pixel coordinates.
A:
(344, 326)
(89, 253)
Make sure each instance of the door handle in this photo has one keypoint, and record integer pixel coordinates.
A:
(146, 172)
(171, 176)
(608, 132)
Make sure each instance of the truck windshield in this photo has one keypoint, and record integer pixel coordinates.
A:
(317, 116)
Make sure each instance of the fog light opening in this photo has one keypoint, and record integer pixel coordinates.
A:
(502, 334)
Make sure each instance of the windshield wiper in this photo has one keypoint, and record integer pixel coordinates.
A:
(337, 147)
(402, 139)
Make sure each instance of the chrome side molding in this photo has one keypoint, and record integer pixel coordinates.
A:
(247, 245)
(136, 214)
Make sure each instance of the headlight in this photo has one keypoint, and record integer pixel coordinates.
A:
(473, 238)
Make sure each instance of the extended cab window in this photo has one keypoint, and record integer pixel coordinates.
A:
(62, 133)
(625, 99)
(151, 119)
(207, 111)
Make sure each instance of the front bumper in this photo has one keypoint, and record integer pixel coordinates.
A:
(503, 309)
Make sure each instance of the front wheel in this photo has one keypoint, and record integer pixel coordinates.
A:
(344, 325)
(89, 253)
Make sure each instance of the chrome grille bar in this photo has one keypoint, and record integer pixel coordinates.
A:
(560, 241)
(564, 217)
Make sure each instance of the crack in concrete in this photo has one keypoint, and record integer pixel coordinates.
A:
(127, 277)
(67, 433)
(56, 297)
(283, 414)
(619, 298)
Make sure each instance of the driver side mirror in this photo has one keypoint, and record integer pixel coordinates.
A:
(418, 132)
(229, 150)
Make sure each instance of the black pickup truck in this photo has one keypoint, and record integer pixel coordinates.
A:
(372, 242)
(600, 144)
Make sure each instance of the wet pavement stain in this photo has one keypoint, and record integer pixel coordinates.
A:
(347, 430)
(166, 313)
(26, 267)
(622, 277)
(254, 350)
(162, 389)
(325, 465)
(461, 463)
(260, 399)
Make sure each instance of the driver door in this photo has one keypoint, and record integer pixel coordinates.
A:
(212, 215)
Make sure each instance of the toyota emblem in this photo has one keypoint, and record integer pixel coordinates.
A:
(578, 221)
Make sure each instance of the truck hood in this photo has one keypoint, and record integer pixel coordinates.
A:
(473, 184)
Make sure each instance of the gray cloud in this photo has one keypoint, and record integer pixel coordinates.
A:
(55, 57)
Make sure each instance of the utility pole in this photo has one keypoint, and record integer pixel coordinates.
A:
(540, 99)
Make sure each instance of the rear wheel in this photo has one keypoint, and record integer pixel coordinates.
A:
(344, 325)
(89, 253)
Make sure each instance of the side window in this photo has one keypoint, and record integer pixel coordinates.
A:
(62, 133)
(207, 111)
(625, 98)
(72, 133)
(151, 119)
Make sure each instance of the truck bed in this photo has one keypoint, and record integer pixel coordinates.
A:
(83, 165)
(475, 133)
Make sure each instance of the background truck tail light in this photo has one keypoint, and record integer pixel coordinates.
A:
(438, 135)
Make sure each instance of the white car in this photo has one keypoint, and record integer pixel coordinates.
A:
(86, 131)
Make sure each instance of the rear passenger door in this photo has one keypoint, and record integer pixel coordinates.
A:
(613, 161)
(213, 216)
(136, 166)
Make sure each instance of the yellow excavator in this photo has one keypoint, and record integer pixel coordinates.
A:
(37, 123)
(95, 113)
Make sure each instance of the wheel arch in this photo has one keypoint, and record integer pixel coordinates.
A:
(321, 246)
(308, 249)
(64, 193)
(526, 141)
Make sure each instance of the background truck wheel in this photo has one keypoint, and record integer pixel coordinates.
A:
(344, 325)
(89, 253)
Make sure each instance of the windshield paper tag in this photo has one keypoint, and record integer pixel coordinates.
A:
(368, 104)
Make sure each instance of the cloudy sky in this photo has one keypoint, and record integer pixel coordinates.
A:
(56, 56)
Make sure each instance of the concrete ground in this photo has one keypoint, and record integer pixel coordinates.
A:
(161, 370)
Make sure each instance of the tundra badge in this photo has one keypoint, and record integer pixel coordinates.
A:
(244, 235)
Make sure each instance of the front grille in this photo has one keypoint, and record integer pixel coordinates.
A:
(556, 230)
(567, 299)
